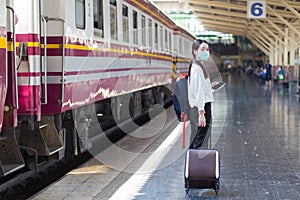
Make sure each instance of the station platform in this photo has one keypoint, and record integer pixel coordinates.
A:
(255, 128)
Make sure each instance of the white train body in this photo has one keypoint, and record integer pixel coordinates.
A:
(80, 66)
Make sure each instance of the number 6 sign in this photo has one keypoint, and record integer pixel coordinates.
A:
(256, 9)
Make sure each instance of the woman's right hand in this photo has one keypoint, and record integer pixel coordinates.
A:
(214, 83)
(202, 120)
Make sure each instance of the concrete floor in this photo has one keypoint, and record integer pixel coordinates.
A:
(256, 130)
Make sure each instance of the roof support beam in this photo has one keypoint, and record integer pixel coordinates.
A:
(221, 18)
(255, 30)
(259, 46)
(219, 12)
(205, 21)
(275, 26)
(219, 4)
(281, 33)
(223, 29)
(291, 9)
(198, 5)
(283, 20)
(267, 30)
(261, 39)
(293, 4)
(226, 32)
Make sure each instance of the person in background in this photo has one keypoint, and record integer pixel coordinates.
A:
(199, 94)
(268, 77)
(280, 74)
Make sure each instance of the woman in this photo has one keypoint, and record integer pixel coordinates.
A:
(199, 94)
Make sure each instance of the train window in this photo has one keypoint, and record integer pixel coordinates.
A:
(180, 46)
(166, 39)
(156, 35)
(183, 47)
(113, 19)
(135, 27)
(161, 38)
(143, 30)
(150, 32)
(125, 23)
(170, 41)
(98, 17)
(80, 14)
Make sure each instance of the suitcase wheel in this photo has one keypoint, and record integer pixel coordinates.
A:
(216, 190)
(217, 186)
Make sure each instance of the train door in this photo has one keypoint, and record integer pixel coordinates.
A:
(38, 132)
(52, 30)
(51, 48)
(10, 155)
(52, 39)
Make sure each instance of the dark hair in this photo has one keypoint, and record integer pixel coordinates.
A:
(196, 46)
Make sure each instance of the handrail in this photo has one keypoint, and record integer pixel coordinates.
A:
(63, 66)
(45, 19)
(14, 55)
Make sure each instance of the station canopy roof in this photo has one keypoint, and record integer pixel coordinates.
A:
(230, 16)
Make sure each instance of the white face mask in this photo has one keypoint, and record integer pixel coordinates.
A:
(203, 55)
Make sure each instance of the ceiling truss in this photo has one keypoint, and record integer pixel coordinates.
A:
(230, 16)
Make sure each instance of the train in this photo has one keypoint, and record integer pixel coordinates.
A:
(60, 60)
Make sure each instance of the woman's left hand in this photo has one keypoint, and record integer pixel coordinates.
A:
(201, 120)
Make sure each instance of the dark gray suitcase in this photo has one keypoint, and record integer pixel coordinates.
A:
(202, 169)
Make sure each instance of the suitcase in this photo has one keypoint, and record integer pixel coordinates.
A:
(202, 169)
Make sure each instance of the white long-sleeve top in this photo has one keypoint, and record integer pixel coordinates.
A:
(199, 88)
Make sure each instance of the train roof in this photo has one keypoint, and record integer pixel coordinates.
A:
(154, 11)
(179, 30)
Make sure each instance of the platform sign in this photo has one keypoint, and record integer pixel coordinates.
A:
(256, 9)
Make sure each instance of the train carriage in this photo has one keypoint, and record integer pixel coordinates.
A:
(77, 58)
